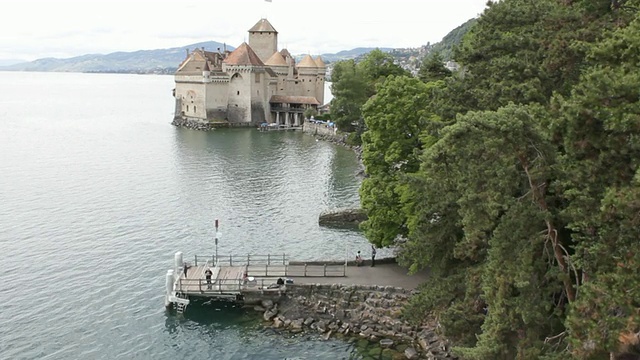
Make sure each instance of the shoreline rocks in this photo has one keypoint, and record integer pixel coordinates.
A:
(193, 124)
(358, 313)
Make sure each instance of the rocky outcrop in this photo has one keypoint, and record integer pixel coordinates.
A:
(342, 217)
(369, 313)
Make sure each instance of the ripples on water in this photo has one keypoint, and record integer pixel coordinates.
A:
(97, 193)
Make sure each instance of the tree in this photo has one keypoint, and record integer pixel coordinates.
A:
(486, 174)
(395, 119)
(350, 92)
(433, 69)
(597, 128)
(377, 66)
(353, 84)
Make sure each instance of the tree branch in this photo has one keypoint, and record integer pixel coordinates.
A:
(551, 231)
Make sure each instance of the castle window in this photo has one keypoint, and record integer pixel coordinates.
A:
(238, 93)
(187, 108)
(257, 79)
(195, 109)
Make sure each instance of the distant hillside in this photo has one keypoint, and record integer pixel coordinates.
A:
(350, 54)
(160, 61)
(452, 39)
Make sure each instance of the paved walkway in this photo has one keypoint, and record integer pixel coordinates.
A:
(381, 274)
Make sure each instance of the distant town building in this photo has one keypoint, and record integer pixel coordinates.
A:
(452, 65)
(253, 84)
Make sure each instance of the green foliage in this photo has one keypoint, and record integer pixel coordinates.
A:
(353, 84)
(308, 113)
(516, 181)
(599, 127)
(350, 91)
(325, 117)
(452, 40)
(394, 118)
(433, 69)
(377, 66)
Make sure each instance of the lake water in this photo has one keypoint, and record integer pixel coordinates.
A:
(98, 191)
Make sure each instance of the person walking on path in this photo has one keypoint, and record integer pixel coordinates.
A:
(373, 256)
(207, 274)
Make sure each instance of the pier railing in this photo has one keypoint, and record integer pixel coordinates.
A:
(298, 270)
(226, 286)
(237, 260)
(271, 265)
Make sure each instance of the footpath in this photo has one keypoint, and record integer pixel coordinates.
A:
(383, 274)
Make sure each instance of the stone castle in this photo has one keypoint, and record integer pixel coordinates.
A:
(250, 85)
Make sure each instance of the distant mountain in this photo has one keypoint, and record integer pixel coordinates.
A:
(159, 61)
(166, 61)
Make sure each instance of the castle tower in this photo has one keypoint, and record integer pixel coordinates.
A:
(322, 72)
(307, 74)
(263, 39)
(248, 93)
(279, 65)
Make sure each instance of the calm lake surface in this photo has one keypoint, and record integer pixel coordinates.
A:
(98, 191)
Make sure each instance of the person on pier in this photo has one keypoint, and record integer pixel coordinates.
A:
(373, 255)
(359, 260)
(207, 275)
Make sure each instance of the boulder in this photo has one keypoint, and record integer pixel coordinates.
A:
(270, 314)
(386, 343)
(410, 353)
(267, 304)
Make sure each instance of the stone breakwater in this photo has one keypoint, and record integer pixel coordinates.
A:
(358, 313)
(202, 125)
(193, 124)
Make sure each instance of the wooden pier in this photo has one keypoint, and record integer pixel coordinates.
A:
(237, 277)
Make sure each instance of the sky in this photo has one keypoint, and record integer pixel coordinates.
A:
(32, 29)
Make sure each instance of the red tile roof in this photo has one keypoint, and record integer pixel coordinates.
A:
(243, 55)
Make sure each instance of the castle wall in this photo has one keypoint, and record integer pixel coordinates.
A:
(217, 99)
(192, 98)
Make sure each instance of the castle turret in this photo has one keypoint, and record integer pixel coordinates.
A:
(263, 39)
